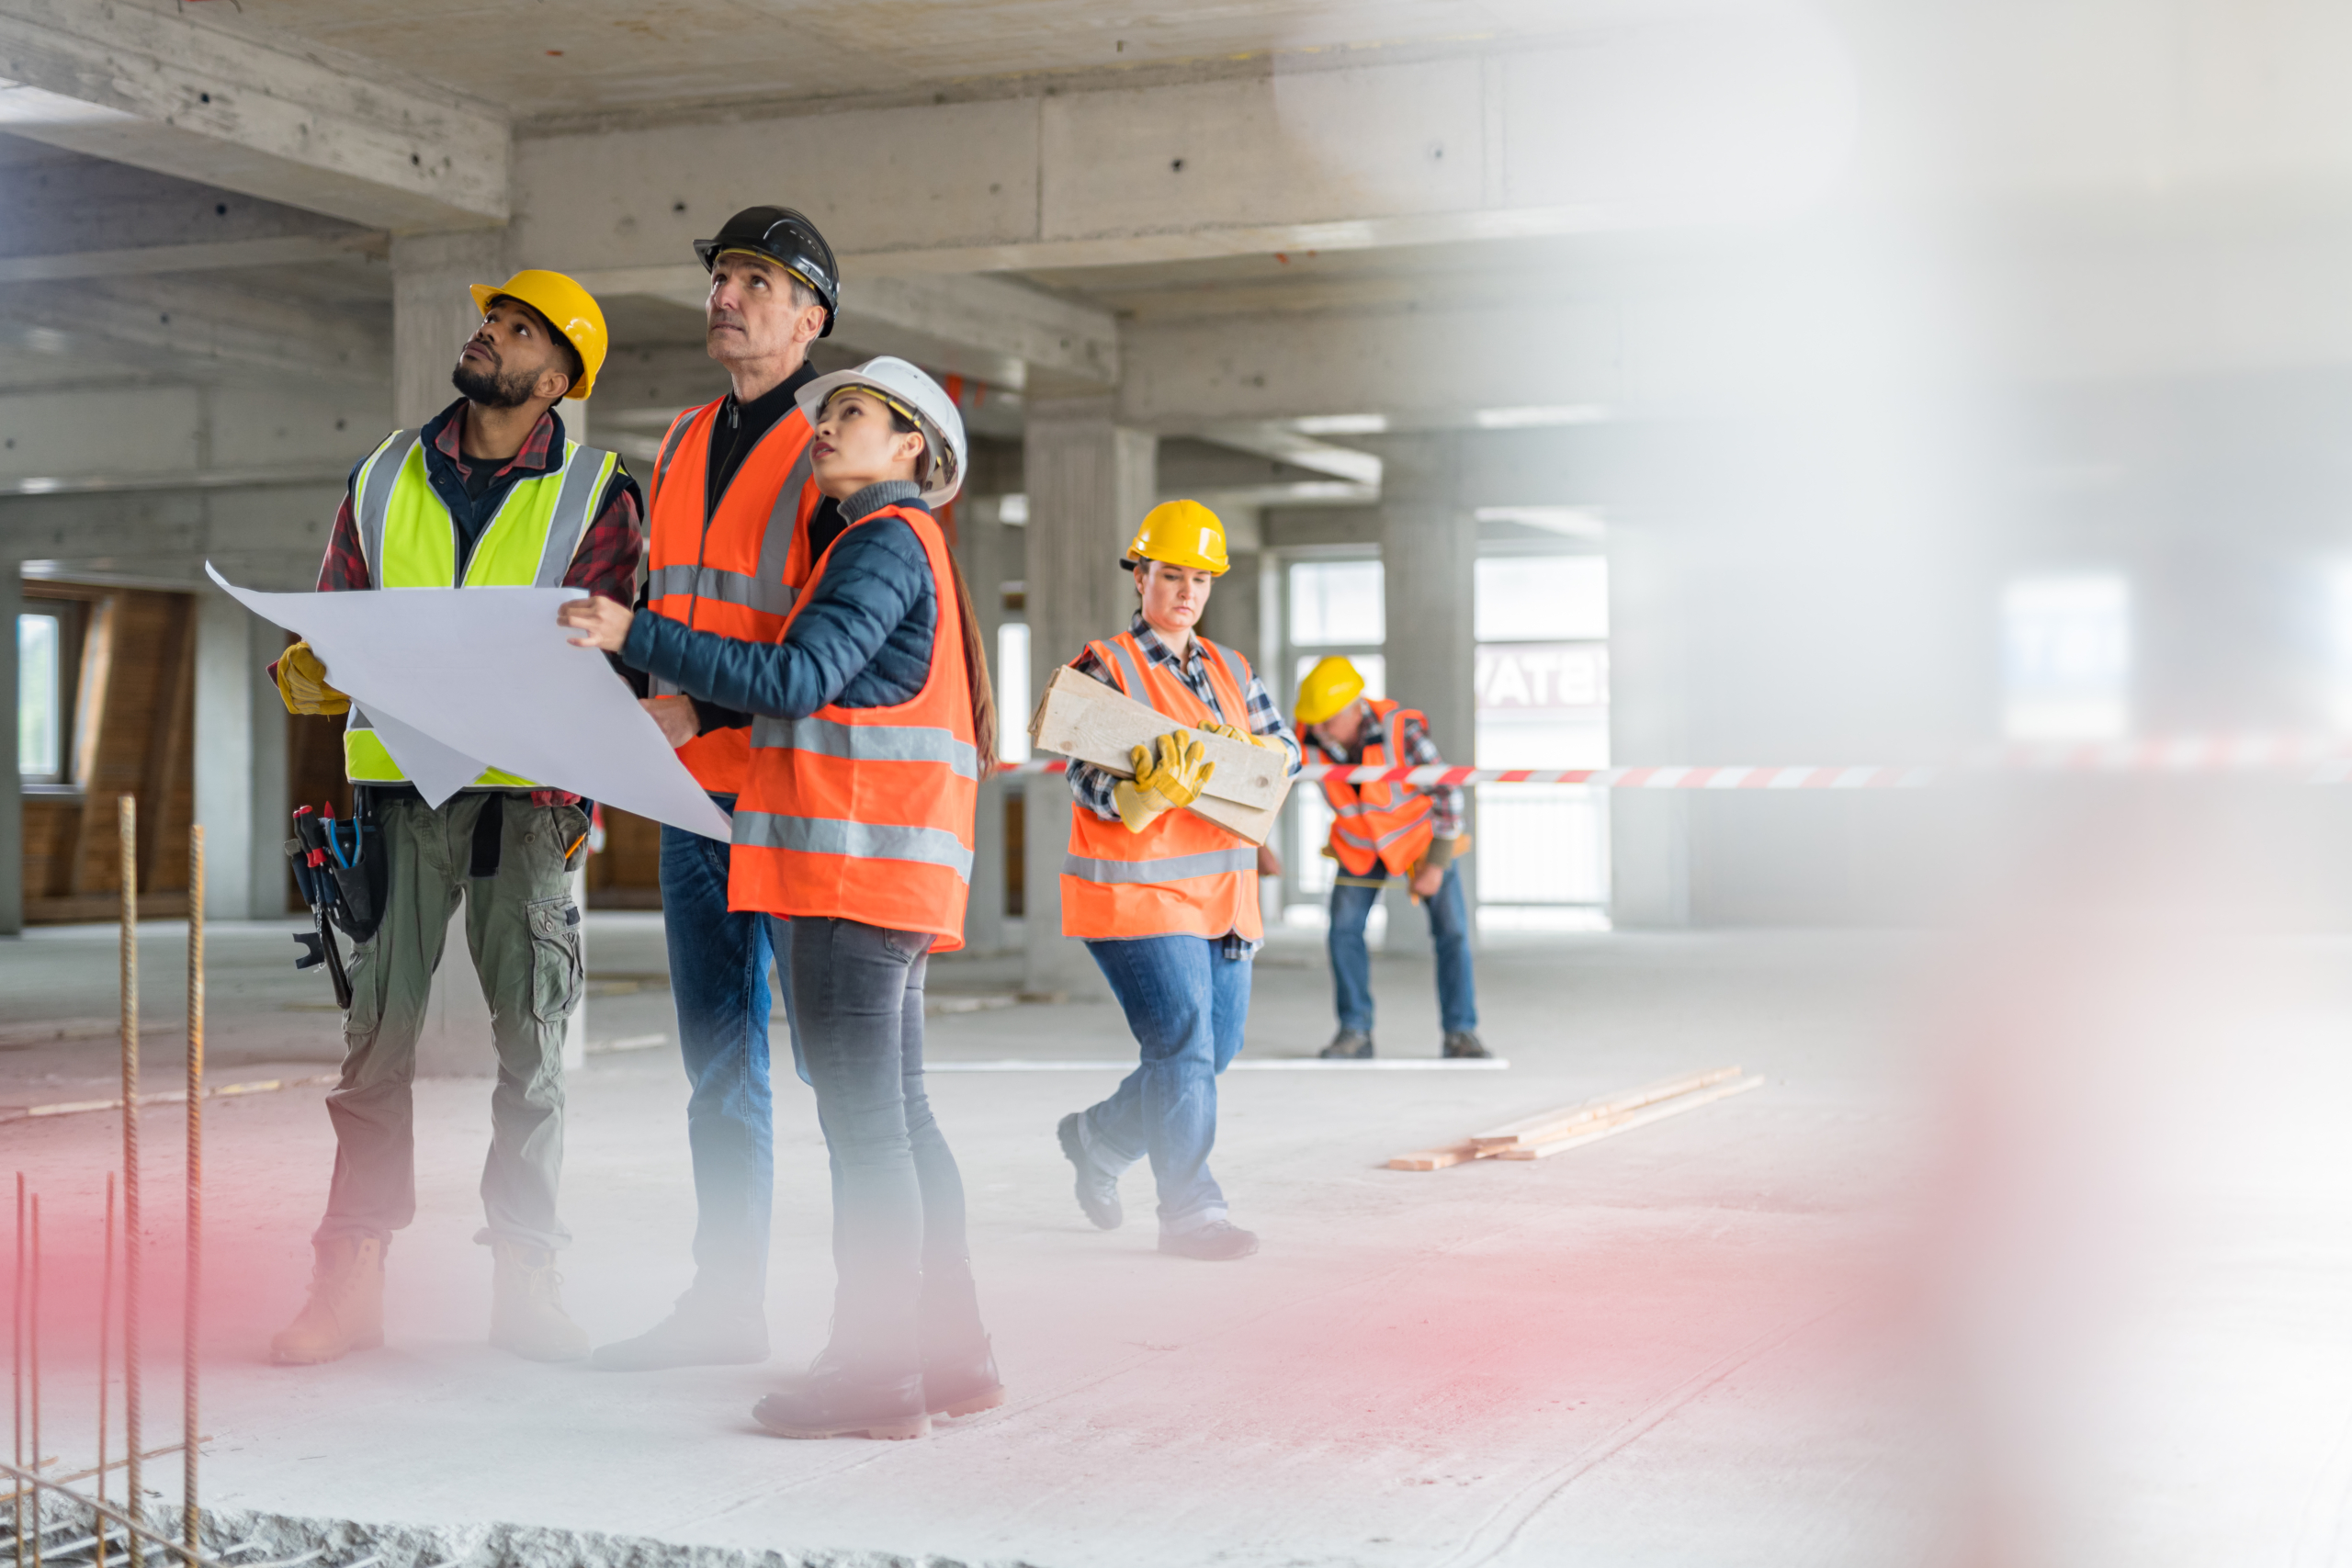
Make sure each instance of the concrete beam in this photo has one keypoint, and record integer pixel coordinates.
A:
(1672, 122)
(149, 261)
(197, 328)
(990, 329)
(163, 92)
(1545, 361)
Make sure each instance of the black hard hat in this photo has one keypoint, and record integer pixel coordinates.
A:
(790, 240)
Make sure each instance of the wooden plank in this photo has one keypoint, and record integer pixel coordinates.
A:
(1548, 1124)
(1080, 716)
(1436, 1160)
(93, 707)
(1628, 1121)
(162, 835)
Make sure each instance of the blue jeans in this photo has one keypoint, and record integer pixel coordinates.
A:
(1457, 991)
(904, 1267)
(1187, 1003)
(719, 979)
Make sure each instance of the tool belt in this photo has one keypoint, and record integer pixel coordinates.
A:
(344, 874)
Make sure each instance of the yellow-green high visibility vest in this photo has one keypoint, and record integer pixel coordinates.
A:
(410, 541)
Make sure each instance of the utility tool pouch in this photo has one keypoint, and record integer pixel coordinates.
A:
(364, 886)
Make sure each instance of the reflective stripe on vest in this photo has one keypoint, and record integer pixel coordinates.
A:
(1183, 874)
(410, 541)
(1168, 868)
(866, 814)
(868, 742)
(734, 567)
(864, 841)
(1379, 824)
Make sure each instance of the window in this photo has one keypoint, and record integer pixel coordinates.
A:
(1541, 680)
(1013, 692)
(40, 696)
(1334, 606)
(2067, 659)
(1337, 603)
(1542, 598)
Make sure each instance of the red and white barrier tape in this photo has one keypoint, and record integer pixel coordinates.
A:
(2324, 759)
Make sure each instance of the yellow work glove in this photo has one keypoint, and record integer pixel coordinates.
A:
(1235, 732)
(1139, 809)
(302, 683)
(1181, 771)
(1140, 805)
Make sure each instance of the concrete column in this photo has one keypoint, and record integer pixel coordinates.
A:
(1428, 548)
(433, 315)
(1090, 482)
(12, 790)
(239, 761)
(979, 553)
(1649, 831)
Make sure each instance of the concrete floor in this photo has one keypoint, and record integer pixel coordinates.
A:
(1718, 1340)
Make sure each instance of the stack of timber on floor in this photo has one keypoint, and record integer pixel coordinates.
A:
(1548, 1132)
(133, 731)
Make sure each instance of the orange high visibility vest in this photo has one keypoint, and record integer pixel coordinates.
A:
(866, 814)
(1383, 823)
(732, 568)
(1183, 875)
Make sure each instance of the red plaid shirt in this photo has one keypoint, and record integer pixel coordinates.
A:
(605, 564)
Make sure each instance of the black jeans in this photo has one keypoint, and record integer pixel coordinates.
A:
(898, 1245)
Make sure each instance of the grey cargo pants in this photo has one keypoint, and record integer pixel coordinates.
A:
(523, 931)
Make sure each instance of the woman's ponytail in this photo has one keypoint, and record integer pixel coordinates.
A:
(976, 664)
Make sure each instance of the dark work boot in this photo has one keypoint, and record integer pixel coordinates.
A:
(1098, 1189)
(1216, 1241)
(699, 1332)
(1348, 1045)
(835, 1399)
(959, 1375)
(1463, 1043)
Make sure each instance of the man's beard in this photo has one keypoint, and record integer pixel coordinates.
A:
(492, 389)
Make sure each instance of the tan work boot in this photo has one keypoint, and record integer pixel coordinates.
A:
(345, 1311)
(526, 1313)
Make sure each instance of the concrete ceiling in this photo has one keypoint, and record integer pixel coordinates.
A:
(584, 55)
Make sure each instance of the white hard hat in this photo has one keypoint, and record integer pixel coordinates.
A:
(915, 395)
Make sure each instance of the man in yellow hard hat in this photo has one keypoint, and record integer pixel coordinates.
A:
(1165, 901)
(1379, 832)
(488, 493)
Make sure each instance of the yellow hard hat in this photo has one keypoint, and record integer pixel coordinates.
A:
(1182, 533)
(1331, 685)
(569, 308)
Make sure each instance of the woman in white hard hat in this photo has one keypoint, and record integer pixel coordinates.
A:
(875, 720)
(1167, 901)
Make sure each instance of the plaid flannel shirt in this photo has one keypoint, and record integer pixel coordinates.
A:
(1414, 748)
(605, 564)
(1093, 785)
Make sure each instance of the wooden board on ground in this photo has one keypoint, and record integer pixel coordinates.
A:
(1546, 1125)
(1081, 718)
(1548, 1132)
(1628, 1121)
(1436, 1160)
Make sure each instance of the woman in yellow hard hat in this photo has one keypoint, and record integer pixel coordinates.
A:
(1165, 901)
(1379, 832)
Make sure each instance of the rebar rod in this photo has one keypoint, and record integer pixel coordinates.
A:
(127, 824)
(195, 1186)
(32, 1359)
(16, 1363)
(163, 1453)
(112, 1516)
(106, 1335)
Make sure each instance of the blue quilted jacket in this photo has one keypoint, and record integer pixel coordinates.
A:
(862, 639)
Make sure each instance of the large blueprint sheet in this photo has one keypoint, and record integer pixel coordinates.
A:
(454, 679)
